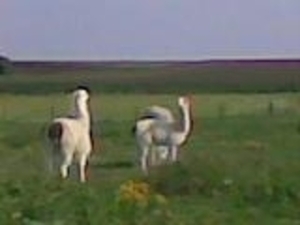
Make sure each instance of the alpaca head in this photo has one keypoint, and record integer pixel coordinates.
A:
(81, 94)
(184, 101)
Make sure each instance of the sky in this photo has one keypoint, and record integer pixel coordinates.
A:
(149, 29)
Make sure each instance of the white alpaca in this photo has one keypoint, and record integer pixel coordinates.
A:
(159, 153)
(70, 136)
(152, 133)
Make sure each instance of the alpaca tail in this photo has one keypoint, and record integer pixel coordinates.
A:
(55, 132)
(133, 129)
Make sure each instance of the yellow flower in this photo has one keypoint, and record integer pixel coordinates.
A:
(139, 193)
(135, 192)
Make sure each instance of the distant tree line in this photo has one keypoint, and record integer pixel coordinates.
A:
(5, 65)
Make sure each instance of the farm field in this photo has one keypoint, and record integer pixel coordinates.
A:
(240, 166)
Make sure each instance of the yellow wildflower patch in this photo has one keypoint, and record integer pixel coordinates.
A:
(140, 193)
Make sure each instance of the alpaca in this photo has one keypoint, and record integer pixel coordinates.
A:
(159, 153)
(70, 136)
(151, 132)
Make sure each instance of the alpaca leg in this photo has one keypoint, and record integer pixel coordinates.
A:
(160, 155)
(174, 153)
(82, 168)
(65, 165)
(153, 154)
(162, 152)
(144, 159)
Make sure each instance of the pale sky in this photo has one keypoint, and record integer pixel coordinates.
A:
(149, 29)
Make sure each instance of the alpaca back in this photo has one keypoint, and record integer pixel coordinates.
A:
(152, 131)
(74, 137)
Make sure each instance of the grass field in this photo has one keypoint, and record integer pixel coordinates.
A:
(240, 166)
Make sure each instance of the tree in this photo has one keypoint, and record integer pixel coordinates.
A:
(5, 65)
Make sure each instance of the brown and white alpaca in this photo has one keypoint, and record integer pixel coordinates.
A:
(70, 136)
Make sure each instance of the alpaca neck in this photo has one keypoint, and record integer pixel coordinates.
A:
(185, 122)
(81, 112)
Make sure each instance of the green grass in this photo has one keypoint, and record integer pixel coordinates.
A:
(241, 165)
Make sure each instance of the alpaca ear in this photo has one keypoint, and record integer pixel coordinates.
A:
(186, 99)
(190, 98)
(83, 87)
(79, 87)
